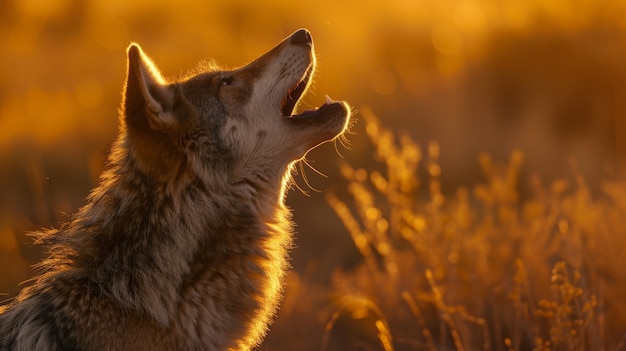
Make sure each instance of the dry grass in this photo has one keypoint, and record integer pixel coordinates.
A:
(484, 269)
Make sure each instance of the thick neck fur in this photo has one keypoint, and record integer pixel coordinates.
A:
(147, 244)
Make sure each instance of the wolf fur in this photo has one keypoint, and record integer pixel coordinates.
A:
(183, 244)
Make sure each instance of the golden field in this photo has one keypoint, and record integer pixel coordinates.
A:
(480, 205)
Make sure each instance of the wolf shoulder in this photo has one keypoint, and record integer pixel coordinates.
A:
(66, 315)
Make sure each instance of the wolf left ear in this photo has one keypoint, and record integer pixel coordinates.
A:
(147, 97)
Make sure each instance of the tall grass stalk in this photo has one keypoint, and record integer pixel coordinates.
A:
(482, 269)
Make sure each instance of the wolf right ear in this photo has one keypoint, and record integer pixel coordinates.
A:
(147, 97)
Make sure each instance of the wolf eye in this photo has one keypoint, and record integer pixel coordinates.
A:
(225, 81)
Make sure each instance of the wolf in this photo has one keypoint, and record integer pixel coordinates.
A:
(184, 243)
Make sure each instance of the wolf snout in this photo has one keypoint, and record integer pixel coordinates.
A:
(301, 37)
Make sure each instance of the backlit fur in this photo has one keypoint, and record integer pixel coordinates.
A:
(183, 244)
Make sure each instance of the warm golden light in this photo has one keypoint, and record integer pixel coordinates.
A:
(482, 202)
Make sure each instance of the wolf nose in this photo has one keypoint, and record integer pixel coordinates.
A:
(302, 36)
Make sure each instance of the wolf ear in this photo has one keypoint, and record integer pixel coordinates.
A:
(147, 97)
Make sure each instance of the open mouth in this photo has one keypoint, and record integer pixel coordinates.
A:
(295, 93)
(293, 96)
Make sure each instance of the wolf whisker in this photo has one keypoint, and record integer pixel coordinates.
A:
(305, 177)
(294, 183)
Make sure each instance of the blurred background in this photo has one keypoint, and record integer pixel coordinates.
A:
(545, 77)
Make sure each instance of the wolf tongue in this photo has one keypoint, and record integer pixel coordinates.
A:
(314, 111)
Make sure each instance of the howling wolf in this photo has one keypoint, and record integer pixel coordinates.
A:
(183, 244)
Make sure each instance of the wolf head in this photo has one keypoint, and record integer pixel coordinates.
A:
(239, 125)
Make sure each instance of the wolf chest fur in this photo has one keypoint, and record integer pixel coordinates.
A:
(183, 244)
